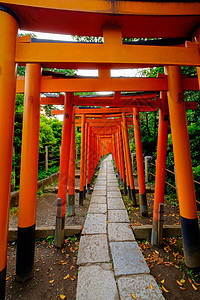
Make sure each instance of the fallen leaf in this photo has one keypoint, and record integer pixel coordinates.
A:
(182, 288)
(164, 289)
(51, 281)
(151, 286)
(71, 267)
(64, 263)
(66, 276)
(146, 287)
(179, 283)
(194, 287)
(108, 221)
(133, 296)
(182, 280)
(62, 296)
(162, 281)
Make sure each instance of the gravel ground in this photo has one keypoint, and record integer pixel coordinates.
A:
(46, 212)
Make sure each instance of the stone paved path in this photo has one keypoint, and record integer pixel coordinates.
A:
(111, 265)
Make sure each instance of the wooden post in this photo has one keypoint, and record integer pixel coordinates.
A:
(8, 33)
(85, 159)
(71, 177)
(140, 165)
(46, 158)
(125, 160)
(28, 174)
(123, 176)
(160, 165)
(183, 164)
(81, 189)
(89, 160)
(130, 172)
(63, 174)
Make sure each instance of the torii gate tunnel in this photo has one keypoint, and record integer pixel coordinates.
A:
(174, 26)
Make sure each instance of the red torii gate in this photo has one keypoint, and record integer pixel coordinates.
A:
(176, 20)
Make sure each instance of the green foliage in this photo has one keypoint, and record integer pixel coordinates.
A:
(50, 135)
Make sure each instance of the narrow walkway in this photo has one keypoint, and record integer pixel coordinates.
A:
(111, 265)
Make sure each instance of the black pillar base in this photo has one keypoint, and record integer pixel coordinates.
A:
(129, 191)
(191, 242)
(2, 283)
(84, 192)
(81, 196)
(133, 198)
(143, 205)
(25, 253)
(124, 189)
(88, 188)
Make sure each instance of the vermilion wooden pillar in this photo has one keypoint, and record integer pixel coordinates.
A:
(130, 172)
(183, 166)
(8, 32)
(28, 174)
(125, 160)
(63, 174)
(81, 189)
(92, 155)
(123, 175)
(89, 148)
(160, 164)
(114, 151)
(85, 159)
(72, 168)
(140, 165)
(118, 155)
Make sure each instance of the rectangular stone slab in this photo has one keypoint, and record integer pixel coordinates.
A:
(128, 259)
(93, 249)
(97, 208)
(98, 199)
(98, 193)
(115, 203)
(139, 286)
(99, 187)
(113, 187)
(95, 223)
(114, 194)
(118, 216)
(96, 282)
(118, 232)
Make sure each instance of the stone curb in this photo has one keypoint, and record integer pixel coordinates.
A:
(14, 196)
(144, 232)
(44, 232)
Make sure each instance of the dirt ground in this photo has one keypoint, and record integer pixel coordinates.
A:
(171, 213)
(166, 264)
(46, 211)
(55, 274)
